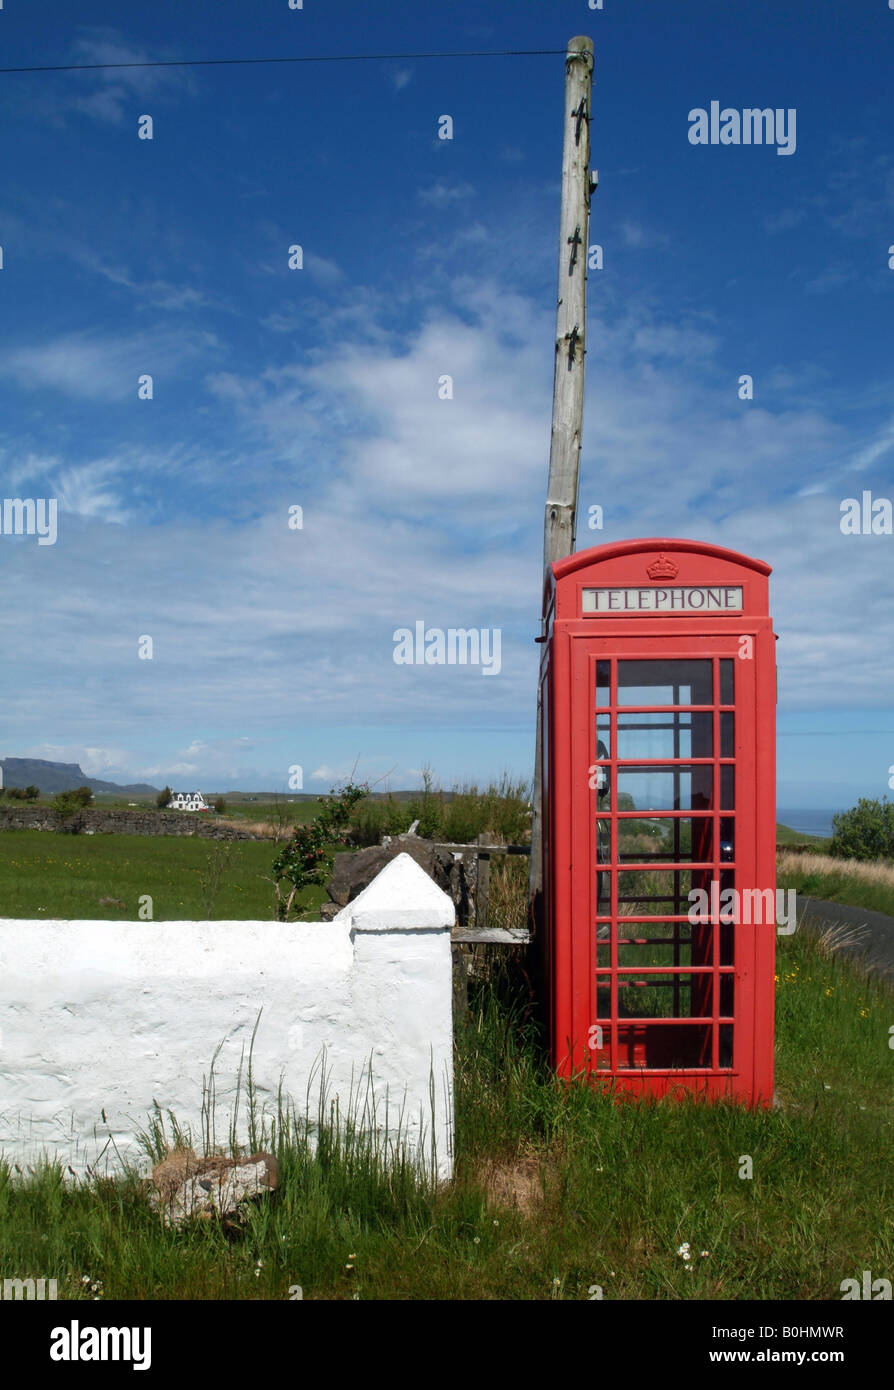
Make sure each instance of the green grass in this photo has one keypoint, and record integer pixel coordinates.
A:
(459, 816)
(839, 881)
(43, 874)
(293, 812)
(841, 887)
(786, 836)
(610, 1190)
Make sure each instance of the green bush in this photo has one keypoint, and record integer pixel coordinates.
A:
(866, 831)
(308, 856)
(373, 819)
(164, 798)
(67, 804)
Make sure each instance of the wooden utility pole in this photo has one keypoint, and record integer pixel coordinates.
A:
(568, 380)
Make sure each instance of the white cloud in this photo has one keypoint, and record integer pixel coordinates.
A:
(94, 762)
(877, 449)
(115, 87)
(324, 271)
(641, 238)
(103, 368)
(417, 508)
(785, 219)
(442, 194)
(85, 490)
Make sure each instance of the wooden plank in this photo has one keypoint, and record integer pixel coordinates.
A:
(482, 890)
(487, 849)
(494, 936)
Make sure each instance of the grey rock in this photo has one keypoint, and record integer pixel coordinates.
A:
(453, 870)
(184, 1186)
(353, 871)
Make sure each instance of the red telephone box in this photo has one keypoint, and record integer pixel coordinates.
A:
(659, 688)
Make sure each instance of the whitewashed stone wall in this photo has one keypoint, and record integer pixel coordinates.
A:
(99, 1020)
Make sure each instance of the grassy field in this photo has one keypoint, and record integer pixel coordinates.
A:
(44, 874)
(786, 836)
(558, 1190)
(869, 885)
(48, 875)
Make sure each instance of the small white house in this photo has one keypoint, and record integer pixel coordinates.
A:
(188, 801)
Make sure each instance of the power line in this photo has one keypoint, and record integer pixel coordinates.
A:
(313, 58)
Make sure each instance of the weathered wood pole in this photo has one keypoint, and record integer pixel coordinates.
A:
(568, 377)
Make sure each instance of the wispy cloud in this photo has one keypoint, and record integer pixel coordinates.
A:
(785, 220)
(88, 364)
(111, 91)
(442, 194)
(872, 452)
(400, 78)
(641, 238)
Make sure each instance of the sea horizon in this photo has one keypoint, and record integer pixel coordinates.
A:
(809, 820)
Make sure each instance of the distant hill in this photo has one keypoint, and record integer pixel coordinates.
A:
(59, 777)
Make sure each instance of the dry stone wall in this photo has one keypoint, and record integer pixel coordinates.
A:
(98, 820)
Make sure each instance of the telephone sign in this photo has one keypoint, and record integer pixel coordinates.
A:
(659, 818)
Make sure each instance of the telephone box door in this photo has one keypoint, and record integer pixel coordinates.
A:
(663, 824)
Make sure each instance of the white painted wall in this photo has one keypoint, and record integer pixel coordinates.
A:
(104, 1018)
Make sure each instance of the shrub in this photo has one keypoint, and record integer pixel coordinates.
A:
(501, 811)
(164, 798)
(370, 820)
(866, 831)
(307, 856)
(66, 803)
(220, 804)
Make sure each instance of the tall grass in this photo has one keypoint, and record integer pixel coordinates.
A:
(500, 810)
(869, 885)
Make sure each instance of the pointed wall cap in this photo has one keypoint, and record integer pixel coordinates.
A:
(401, 898)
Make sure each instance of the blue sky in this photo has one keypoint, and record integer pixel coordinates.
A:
(318, 388)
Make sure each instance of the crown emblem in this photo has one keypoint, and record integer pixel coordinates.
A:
(663, 568)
